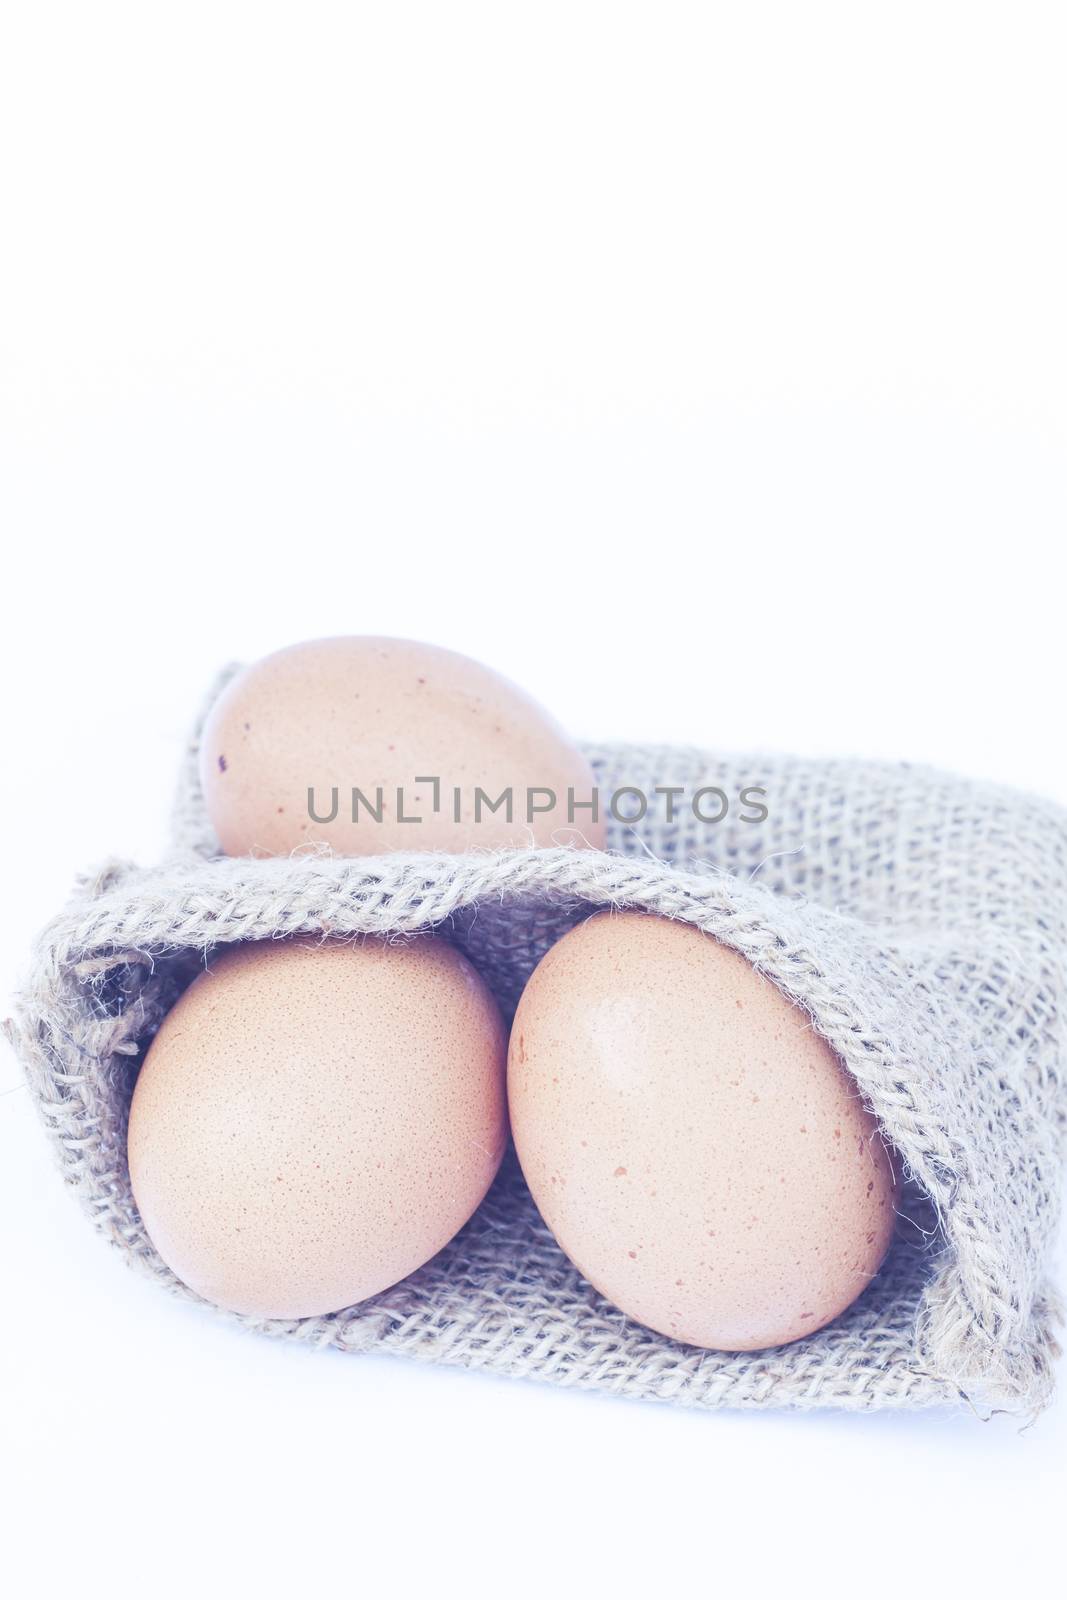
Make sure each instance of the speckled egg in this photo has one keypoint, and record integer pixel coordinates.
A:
(372, 745)
(697, 1149)
(314, 1120)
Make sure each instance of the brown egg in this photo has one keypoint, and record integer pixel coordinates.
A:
(315, 1120)
(698, 1151)
(358, 723)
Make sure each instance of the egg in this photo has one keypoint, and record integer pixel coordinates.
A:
(697, 1149)
(372, 745)
(314, 1120)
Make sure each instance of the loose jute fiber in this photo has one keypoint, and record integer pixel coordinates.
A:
(921, 920)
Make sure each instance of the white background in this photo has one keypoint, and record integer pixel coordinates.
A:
(700, 367)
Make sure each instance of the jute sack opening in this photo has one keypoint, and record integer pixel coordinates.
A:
(920, 919)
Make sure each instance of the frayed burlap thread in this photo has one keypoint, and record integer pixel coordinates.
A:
(921, 920)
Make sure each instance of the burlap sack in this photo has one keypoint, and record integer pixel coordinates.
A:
(920, 919)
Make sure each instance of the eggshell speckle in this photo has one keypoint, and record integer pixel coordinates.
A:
(372, 715)
(698, 1151)
(316, 1119)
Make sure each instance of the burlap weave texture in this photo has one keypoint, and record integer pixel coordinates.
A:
(920, 919)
